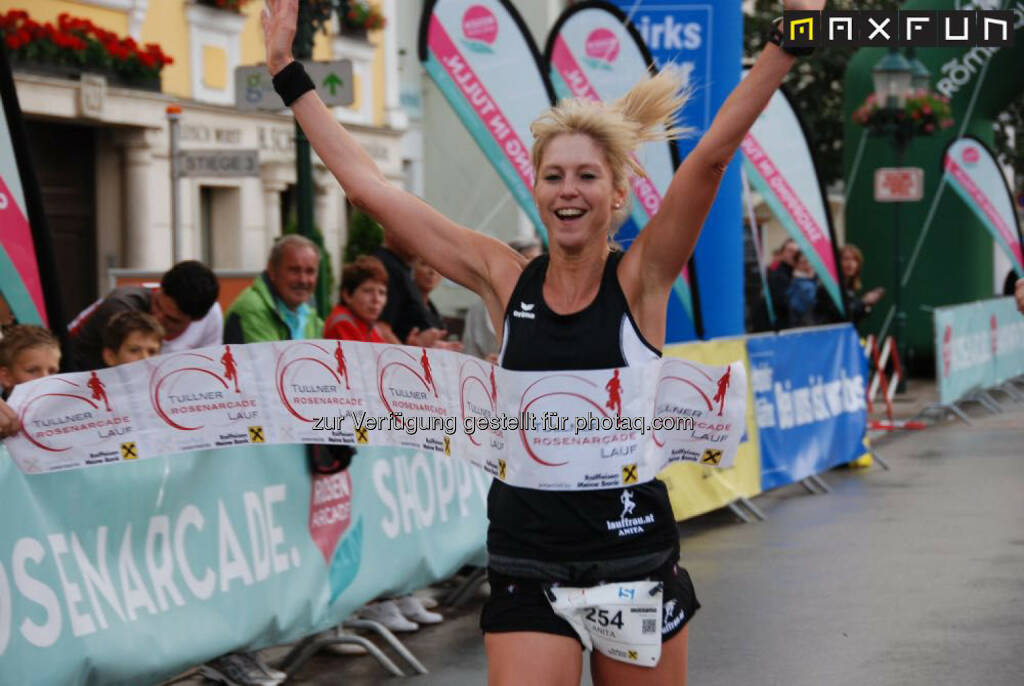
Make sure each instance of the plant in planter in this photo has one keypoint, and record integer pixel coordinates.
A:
(230, 5)
(75, 45)
(924, 113)
(359, 16)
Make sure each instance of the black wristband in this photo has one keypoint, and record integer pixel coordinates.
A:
(292, 82)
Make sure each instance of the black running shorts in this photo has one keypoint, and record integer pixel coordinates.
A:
(519, 604)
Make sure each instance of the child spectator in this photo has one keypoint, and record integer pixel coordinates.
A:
(364, 291)
(130, 336)
(27, 353)
(801, 293)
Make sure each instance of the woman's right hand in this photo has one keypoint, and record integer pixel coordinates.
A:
(9, 424)
(279, 18)
(873, 296)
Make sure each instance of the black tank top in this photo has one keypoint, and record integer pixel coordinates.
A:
(568, 526)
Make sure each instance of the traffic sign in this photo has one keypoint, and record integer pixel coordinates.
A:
(219, 163)
(899, 184)
(254, 89)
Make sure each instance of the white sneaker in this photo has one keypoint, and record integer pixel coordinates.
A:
(386, 612)
(426, 599)
(412, 608)
(237, 669)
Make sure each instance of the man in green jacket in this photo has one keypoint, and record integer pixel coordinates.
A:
(276, 306)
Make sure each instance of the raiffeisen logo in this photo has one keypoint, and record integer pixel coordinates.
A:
(601, 48)
(479, 29)
(970, 156)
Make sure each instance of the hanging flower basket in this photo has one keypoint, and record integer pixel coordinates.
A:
(75, 46)
(924, 113)
(359, 16)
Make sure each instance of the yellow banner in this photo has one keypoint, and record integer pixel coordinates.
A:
(695, 489)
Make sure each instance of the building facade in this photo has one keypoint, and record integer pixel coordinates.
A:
(101, 151)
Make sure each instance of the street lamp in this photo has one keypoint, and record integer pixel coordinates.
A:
(921, 77)
(894, 78)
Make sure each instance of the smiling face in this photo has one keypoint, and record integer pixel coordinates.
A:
(574, 191)
(294, 275)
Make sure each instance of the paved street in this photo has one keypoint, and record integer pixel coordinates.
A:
(912, 576)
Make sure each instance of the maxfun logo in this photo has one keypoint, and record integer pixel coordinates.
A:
(479, 29)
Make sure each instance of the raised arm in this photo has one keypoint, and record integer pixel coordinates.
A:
(478, 262)
(667, 242)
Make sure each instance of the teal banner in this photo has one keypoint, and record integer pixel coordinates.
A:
(979, 345)
(132, 573)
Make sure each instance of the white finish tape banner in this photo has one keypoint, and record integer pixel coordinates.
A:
(571, 430)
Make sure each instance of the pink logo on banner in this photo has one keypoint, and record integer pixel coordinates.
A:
(480, 25)
(970, 156)
(330, 511)
(602, 46)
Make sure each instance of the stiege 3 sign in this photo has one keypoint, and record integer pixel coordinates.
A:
(552, 430)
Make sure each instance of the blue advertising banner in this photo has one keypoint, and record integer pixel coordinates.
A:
(705, 40)
(809, 400)
(131, 574)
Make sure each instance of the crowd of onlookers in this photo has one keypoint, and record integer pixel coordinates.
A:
(383, 297)
(797, 297)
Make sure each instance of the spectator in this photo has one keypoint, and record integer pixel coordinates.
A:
(801, 294)
(851, 262)
(364, 290)
(427, 279)
(276, 306)
(1019, 293)
(27, 353)
(405, 318)
(779, 278)
(131, 336)
(478, 337)
(185, 304)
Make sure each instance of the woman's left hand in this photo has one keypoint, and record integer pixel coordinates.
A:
(279, 20)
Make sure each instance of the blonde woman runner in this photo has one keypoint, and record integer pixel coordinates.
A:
(583, 306)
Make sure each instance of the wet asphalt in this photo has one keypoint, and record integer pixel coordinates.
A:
(902, 577)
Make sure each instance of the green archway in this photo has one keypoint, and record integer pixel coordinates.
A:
(953, 263)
